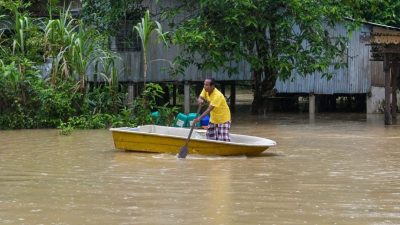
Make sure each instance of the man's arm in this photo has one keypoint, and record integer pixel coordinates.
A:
(208, 110)
(200, 100)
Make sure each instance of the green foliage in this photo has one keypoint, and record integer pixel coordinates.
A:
(273, 36)
(27, 100)
(65, 128)
(73, 50)
(15, 94)
(104, 99)
(13, 6)
(56, 103)
(143, 105)
(277, 38)
(107, 15)
(48, 106)
(123, 119)
(89, 121)
(167, 114)
(59, 33)
(108, 97)
(96, 121)
(145, 29)
(16, 120)
(20, 32)
(384, 12)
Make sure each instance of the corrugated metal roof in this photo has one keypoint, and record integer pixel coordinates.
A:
(381, 25)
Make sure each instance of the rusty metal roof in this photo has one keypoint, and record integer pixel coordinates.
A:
(381, 35)
(382, 25)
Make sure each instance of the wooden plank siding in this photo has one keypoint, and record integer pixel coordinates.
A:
(130, 68)
(377, 76)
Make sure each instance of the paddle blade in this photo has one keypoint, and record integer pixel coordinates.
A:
(183, 152)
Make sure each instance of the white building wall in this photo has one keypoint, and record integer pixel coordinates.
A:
(376, 100)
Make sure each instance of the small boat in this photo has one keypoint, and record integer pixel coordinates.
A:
(162, 139)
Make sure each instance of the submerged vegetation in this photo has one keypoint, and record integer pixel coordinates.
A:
(61, 98)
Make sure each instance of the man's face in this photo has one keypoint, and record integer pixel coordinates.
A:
(207, 86)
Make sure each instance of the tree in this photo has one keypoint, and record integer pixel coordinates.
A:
(107, 15)
(384, 12)
(145, 29)
(275, 37)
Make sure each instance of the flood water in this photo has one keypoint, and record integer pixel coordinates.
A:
(330, 169)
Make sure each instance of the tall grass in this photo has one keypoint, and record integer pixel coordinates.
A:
(59, 38)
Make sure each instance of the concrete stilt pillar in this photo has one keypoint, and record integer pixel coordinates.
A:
(131, 93)
(113, 44)
(311, 104)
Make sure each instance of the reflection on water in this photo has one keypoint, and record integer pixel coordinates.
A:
(329, 169)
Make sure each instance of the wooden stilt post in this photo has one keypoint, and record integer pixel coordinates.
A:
(199, 88)
(95, 74)
(386, 68)
(395, 71)
(186, 91)
(223, 88)
(233, 96)
(174, 95)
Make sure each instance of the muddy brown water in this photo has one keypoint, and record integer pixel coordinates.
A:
(329, 169)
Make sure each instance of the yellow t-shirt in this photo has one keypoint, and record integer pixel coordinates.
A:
(221, 113)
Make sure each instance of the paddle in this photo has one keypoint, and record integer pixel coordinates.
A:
(184, 150)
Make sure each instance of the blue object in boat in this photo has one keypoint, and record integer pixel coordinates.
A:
(205, 121)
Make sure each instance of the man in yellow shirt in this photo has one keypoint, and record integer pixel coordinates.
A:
(220, 115)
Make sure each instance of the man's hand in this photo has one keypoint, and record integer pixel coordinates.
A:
(200, 101)
(196, 120)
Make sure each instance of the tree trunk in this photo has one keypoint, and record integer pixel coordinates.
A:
(144, 68)
(258, 99)
(82, 83)
(264, 87)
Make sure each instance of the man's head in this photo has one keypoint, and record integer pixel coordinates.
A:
(209, 85)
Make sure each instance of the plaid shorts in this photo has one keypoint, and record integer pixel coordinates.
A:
(219, 132)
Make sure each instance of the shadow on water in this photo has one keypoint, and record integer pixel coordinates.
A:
(126, 155)
(266, 154)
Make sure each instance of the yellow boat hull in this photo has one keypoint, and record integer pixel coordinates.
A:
(172, 139)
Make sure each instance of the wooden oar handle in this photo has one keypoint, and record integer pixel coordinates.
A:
(192, 127)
